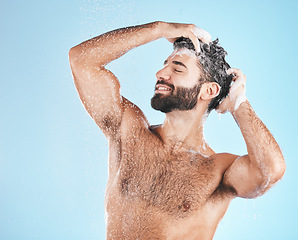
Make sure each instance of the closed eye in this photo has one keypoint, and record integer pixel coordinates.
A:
(176, 70)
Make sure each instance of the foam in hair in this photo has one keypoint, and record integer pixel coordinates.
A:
(212, 59)
(237, 91)
(185, 51)
(201, 34)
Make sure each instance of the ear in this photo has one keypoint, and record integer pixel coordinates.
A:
(209, 90)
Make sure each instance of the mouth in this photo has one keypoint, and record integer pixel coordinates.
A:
(161, 88)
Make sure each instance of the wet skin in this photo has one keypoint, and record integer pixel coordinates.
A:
(162, 190)
(165, 182)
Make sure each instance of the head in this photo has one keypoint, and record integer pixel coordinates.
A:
(205, 70)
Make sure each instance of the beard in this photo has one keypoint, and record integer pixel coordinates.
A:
(181, 99)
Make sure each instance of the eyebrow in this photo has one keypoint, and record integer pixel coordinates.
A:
(176, 63)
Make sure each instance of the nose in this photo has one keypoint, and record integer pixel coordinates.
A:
(163, 74)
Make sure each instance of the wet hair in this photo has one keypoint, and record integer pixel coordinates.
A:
(211, 59)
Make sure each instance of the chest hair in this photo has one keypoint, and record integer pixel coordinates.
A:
(176, 182)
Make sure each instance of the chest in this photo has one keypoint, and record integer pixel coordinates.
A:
(176, 182)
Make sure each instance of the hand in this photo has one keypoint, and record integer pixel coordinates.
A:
(172, 31)
(236, 95)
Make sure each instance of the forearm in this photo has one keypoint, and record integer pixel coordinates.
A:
(263, 151)
(111, 45)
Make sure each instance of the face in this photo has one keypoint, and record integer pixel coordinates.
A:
(178, 85)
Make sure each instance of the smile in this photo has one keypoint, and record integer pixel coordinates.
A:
(162, 88)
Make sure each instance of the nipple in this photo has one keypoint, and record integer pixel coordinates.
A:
(185, 206)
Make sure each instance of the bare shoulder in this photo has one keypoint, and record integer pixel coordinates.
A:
(133, 125)
(133, 118)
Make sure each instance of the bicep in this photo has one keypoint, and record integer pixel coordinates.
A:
(99, 91)
(245, 178)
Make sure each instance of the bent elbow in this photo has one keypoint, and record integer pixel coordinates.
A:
(281, 170)
(79, 58)
(278, 170)
(78, 62)
(74, 55)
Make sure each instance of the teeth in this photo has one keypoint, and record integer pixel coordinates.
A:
(163, 88)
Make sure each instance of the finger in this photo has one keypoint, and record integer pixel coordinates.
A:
(239, 74)
(236, 72)
(195, 42)
(201, 34)
(238, 78)
(171, 40)
(232, 70)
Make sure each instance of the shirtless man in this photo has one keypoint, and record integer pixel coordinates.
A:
(165, 182)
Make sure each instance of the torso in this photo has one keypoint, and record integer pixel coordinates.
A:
(162, 191)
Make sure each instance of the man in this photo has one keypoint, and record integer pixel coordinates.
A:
(165, 182)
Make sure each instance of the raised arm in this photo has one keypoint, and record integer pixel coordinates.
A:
(251, 175)
(99, 89)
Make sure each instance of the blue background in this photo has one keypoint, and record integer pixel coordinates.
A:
(53, 158)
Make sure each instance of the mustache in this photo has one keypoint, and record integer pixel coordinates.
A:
(165, 83)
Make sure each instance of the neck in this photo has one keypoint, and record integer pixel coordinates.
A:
(186, 127)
